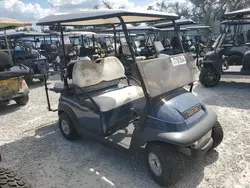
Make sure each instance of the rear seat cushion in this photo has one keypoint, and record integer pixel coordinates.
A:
(116, 98)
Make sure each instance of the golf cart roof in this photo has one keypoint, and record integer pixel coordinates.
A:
(9, 23)
(235, 22)
(238, 14)
(133, 28)
(198, 27)
(110, 16)
(23, 34)
(172, 29)
(178, 22)
(79, 33)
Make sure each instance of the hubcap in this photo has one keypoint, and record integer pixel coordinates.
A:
(211, 77)
(154, 164)
(65, 127)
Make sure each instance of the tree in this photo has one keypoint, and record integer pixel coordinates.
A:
(209, 11)
(107, 4)
(180, 9)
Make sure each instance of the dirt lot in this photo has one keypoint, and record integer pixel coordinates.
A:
(32, 145)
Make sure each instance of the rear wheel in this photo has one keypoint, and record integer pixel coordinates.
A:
(209, 77)
(66, 127)
(22, 100)
(165, 163)
(9, 179)
(217, 134)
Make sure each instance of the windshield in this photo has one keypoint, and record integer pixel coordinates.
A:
(165, 73)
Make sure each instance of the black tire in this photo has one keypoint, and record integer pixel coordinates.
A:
(22, 100)
(209, 77)
(9, 179)
(217, 134)
(71, 133)
(30, 77)
(234, 60)
(171, 162)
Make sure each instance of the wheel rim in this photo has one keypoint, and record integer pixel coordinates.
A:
(65, 127)
(154, 164)
(211, 77)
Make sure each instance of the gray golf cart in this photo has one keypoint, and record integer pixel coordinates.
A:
(225, 56)
(160, 118)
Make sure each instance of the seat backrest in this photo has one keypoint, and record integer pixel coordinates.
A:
(5, 61)
(99, 74)
(125, 49)
(158, 46)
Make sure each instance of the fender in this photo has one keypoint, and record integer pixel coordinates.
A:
(63, 107)
(183, 138)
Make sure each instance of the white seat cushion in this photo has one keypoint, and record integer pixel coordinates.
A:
(114, 99)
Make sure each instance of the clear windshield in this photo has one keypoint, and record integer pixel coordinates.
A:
(165, 73)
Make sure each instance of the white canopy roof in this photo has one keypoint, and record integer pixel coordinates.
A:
(109, 16)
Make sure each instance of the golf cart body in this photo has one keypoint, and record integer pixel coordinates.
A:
(28, 53)
(12, 83)
(231, 48)
(97, 103)
(236, 43)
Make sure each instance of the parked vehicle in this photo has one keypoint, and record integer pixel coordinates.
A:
(12, 83)
(160, 118)
(25, 51)
(230, 49)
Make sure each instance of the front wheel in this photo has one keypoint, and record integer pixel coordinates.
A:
(209, 77)
(9, 179)
(67, 127)
(165, 163)
(22, 100)
(217, 134)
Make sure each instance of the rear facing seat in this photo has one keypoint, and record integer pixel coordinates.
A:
(101, 75)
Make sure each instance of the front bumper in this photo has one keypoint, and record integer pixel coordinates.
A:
(13, 96)
(192, 152)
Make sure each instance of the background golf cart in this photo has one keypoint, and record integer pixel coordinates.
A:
(215, 63)
(12, 86)
(24, 47)
(102, 108)
(142, 39)
(100, 43)
(236, 42)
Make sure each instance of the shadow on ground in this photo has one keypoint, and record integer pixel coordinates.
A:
(6, 108)
(48, 160)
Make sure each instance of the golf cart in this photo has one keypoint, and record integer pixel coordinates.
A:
(12, 83)
(230, 49)
(236, 43)
(142, 39)
(25, 51)
(160, 118)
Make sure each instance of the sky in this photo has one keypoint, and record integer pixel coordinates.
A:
(33, 10)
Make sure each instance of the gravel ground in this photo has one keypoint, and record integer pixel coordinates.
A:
(32, 145)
